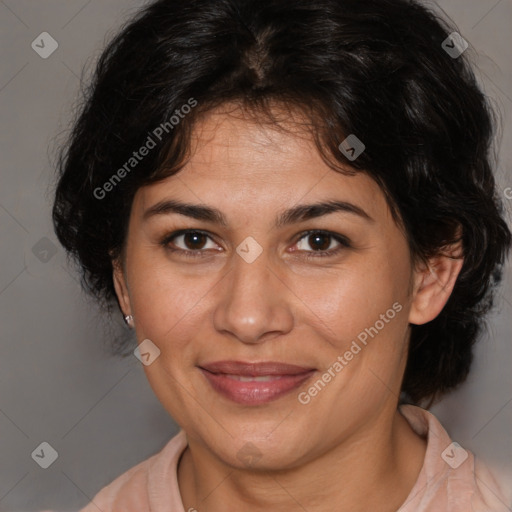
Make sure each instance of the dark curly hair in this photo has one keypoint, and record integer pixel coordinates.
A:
(377, 69)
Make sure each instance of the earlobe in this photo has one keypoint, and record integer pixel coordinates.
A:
(434, 284)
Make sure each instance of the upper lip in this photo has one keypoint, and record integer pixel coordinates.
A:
(254, 369)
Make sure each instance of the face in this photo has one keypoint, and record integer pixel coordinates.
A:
(319, 295)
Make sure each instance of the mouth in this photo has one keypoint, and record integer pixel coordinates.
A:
(254, 383)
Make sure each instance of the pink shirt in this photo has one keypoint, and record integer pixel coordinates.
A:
(448, 482)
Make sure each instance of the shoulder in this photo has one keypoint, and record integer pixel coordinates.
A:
(132, 491)
(451, 478)
(491, 494)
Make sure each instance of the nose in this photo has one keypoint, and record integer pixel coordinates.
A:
(254, 305)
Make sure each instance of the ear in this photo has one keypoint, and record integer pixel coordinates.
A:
(121, 287)
(433, 284)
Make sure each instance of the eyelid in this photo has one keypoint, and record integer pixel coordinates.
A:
(336, 236)
(343, 241)
(180, 232)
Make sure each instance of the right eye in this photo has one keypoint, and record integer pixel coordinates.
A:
(192, 241)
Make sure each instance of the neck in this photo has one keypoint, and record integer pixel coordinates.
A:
(374, 469)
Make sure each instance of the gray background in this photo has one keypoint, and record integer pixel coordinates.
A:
(57, 382)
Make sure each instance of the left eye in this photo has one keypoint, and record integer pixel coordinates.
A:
(322, 243)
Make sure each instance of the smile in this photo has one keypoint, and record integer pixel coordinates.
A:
(254, 383)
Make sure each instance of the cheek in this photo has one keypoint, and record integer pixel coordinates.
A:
(363, 313)
(169, 309)
(381, 326)
(346, 301)
(161, 299)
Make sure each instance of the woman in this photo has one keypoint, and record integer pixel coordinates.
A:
(293, 207)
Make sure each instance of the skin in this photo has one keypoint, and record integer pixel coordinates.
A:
(348, 448)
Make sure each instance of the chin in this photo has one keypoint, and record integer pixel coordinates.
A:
(260, 447)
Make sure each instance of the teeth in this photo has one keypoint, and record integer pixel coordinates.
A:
(260, 378)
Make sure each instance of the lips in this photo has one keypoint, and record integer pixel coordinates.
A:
(254, 383)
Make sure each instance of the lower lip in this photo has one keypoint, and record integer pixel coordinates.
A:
(254, 392)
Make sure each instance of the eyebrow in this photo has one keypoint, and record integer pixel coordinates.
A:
(294, 215)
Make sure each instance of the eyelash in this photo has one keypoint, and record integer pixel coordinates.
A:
(199, 253)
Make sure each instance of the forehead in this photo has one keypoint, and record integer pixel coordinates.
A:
(237, 159)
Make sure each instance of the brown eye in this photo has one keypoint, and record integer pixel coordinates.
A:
(322, 243)
(194, 240)
(188, 243)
